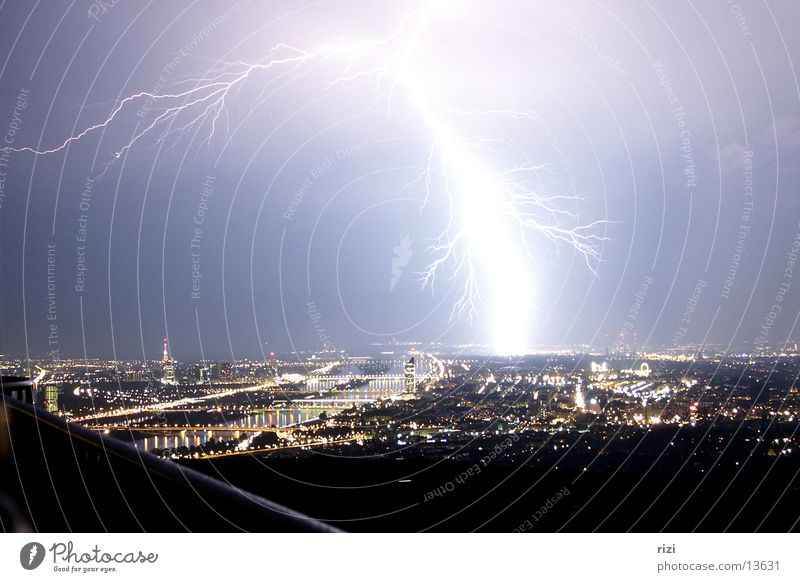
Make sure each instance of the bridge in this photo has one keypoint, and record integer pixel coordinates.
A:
(378, 380)
(326, 403)
(307, 445)
(172, 429)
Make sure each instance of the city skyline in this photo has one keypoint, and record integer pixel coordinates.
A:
(466, 420)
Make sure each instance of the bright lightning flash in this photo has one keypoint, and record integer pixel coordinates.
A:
(492, 212)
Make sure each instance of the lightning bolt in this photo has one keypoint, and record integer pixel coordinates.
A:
(494, 211)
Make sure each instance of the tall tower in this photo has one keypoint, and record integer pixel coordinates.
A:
(410, 373)
(168, 366)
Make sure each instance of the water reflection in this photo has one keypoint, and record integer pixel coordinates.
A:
(299, 410)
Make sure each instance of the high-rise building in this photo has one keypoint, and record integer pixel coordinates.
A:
(410, 373)
(51, 397)
(168, 366)
(227, 372)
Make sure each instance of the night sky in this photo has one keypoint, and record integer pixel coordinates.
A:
(296, 216)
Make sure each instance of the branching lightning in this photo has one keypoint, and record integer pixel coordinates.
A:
(493, 212)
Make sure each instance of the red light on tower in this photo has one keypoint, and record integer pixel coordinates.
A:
(166, 350)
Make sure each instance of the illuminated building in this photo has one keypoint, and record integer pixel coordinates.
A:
(134, 376)
(410, 372)
(226, 371)
(51, 397)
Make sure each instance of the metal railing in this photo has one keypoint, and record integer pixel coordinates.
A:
(56, 476)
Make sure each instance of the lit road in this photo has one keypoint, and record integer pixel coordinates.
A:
(162, 428)
(170, 404)
(270, 450)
